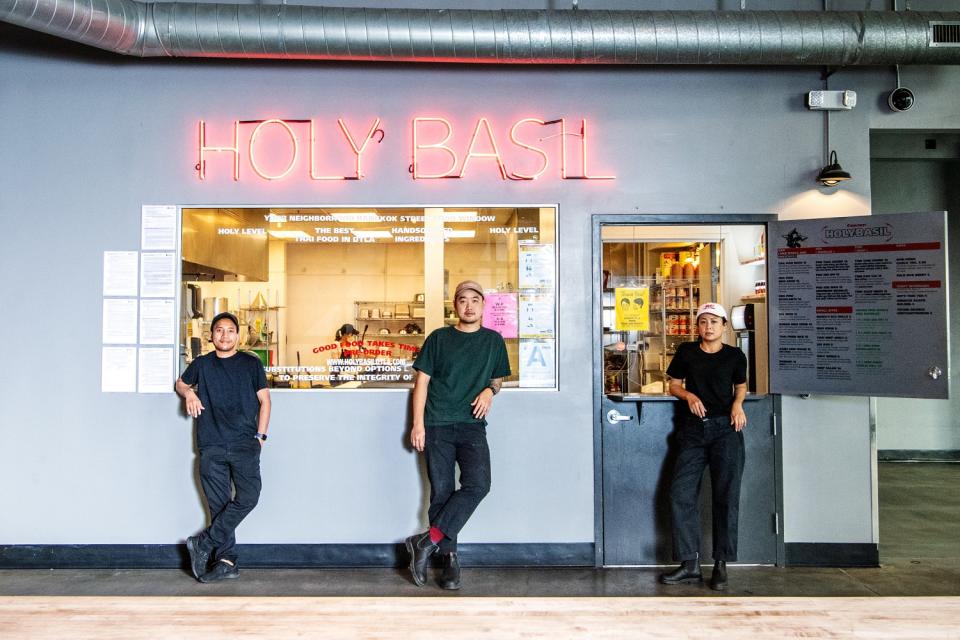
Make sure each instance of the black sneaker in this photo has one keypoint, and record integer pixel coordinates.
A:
(450, 575)
(420, 549)
(199, 559)
(221, 571)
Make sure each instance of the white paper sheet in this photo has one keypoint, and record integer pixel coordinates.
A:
(157, 275)
(118, 370)
(119, 321)
(157, 321)
(158, 228)
(538, 368)
(120, 273)
(155, 370)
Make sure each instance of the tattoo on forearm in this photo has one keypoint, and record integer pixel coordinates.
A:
(495, 384)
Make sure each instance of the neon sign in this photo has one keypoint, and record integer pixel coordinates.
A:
(273, 149)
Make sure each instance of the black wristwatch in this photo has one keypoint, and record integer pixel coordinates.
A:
(260, 436)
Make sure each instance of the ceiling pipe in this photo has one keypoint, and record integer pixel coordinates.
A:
(283, 31)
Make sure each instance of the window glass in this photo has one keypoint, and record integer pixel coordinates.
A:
(344, 298)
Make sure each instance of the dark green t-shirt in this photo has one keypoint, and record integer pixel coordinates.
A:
(460, 366)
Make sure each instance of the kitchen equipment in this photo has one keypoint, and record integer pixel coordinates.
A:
(214, 306)
(195, 301)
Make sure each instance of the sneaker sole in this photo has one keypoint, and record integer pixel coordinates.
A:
(413, 572)
(232, 576)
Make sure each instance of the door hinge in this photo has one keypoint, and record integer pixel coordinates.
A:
(773, 424)
(776, 523)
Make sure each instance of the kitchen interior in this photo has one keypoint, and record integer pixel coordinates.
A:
(297, 277)
(673, 270)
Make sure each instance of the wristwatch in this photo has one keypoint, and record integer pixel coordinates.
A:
(260, 436)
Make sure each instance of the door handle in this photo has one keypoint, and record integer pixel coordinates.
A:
(935, 372)
(614, 416)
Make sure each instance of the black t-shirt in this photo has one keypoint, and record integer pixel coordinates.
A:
(710, 376)
(228, 388)
(460, 366)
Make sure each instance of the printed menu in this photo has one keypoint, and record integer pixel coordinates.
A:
(859, 306)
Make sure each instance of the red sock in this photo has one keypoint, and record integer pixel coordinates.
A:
(436, 535)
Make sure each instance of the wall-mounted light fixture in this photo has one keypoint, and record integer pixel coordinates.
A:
(833, 173)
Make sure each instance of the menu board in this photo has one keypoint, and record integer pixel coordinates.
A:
(858, 306)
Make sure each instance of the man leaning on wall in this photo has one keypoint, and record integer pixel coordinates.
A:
(459, 370)
(226, 392)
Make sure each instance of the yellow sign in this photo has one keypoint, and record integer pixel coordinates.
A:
(633, 309)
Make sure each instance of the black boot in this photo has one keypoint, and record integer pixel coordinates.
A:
(420, 549)
(450, 576)
(718, 581)
(688, 571)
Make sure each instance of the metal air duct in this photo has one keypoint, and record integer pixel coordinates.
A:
(276, 31)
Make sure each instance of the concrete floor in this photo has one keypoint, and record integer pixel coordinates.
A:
(920, 556)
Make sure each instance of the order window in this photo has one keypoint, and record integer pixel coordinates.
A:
(343, 298)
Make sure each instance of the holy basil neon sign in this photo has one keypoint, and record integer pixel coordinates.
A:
(524, 152)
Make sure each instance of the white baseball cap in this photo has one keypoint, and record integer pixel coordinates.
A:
(712, 308)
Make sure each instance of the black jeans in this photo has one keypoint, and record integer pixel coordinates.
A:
(716, 443)
(223, 468)
(463, 444)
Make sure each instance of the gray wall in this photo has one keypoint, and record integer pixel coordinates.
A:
(88, 138)
(906, 176)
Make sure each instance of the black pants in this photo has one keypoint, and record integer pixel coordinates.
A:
(716, 443)
(224, 468)
(463, 444)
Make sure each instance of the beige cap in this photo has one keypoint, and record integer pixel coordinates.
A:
(468, 285)
(712, 308)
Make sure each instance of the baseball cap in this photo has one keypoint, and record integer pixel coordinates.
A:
(468, 285)
(712, 308)
(225, 315)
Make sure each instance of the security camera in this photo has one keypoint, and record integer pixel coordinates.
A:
(900, 99)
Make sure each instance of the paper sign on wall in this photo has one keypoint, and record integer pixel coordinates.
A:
(632, 308)
(500, 313)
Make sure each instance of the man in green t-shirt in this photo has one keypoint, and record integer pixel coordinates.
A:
(459, 370)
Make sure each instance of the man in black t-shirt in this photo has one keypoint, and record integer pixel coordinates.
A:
(459, 370)
(710, 433)
(226, 392)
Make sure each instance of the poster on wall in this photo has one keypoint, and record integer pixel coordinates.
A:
(158, 228)
(155, 370)
(120, 269)
(157, 325)
(632, 308)
(118, 370)
(537, 313)
(537, 364)
(119, 320)
(536, 266)
(500, 313)
(858, 306)
(158, 274)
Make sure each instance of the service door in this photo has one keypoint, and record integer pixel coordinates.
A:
(635, 449)
(637, 463)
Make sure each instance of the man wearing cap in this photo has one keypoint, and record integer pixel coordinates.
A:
(459, 370)
(226, 391)
(709, 434)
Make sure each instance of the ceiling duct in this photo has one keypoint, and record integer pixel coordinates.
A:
(282, 31)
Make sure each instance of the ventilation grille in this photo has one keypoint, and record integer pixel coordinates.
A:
(945, 34)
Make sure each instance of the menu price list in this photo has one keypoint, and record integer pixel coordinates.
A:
(844, 309)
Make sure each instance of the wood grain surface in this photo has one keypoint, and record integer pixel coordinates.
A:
(130, 618)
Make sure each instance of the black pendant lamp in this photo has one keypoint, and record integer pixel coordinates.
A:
(833, 173)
